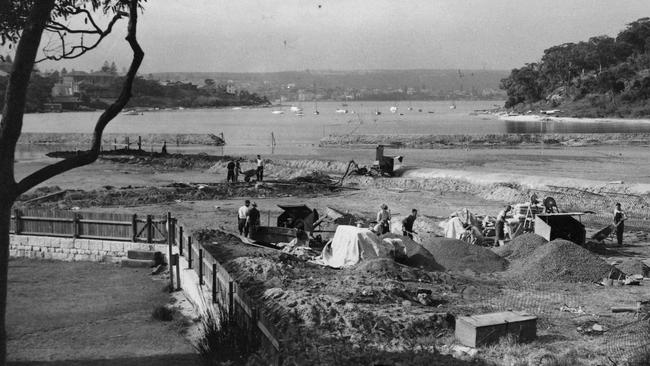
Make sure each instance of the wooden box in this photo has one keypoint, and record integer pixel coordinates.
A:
(484, 329)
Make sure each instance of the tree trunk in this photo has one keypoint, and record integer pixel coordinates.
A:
(5, 221)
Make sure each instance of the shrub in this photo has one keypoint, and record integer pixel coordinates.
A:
(163, 313)
(225, 340)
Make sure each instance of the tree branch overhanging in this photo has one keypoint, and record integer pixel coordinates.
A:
(78, 50)
(109, 114)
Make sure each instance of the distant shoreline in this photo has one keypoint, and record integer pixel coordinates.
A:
(546, 118)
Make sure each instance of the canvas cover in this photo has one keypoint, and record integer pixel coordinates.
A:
(351, 245)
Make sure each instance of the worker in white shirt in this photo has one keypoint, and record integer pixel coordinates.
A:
(242, 214)
(383, 219)
(260, 169)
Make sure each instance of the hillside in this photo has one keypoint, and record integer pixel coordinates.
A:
(600, 77)
(332, 84)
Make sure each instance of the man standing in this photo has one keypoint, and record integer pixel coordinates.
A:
(260, 169)
(383, 219)
(407, 223)
(237, 170)
(242, 214)
(253, 221)
(231, 171)
(501, 223)
(619, 218)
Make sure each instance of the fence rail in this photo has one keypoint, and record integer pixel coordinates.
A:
(226, 292)
(89, 225)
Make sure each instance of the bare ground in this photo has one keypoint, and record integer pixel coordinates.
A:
(374, 306)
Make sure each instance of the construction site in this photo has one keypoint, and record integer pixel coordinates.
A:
(555, 290)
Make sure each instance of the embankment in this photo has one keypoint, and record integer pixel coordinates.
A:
(488, 140)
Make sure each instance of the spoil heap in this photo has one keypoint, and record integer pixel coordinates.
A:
(634, 267)
(562, 260)
(521, 246)
(458, 255)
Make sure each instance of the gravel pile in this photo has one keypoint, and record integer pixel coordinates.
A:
(521, 246)
(634, 267)
(562, 260)
(458, 255)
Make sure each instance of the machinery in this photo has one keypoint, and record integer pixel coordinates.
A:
(382, 166)
(385, 165)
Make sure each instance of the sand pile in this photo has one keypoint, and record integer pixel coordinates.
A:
(634, 267)
(412, 254)
(564, 261)
(458, 255)
(521, 246)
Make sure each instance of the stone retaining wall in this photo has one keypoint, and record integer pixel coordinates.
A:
(69, 249)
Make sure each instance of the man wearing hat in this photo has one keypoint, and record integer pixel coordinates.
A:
(383, 219)
(253, 220)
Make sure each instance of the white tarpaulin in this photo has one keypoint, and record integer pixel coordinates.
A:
(351, 245)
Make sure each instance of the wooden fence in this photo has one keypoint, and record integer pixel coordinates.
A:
(89, 225)
(226, 292)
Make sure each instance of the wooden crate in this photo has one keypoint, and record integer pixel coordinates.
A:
(484, 329)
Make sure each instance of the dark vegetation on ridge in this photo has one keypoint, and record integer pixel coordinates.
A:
(601, 77)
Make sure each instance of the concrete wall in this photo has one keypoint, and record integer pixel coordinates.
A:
(69, 249)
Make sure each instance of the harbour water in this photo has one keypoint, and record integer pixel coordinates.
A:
(249, 129)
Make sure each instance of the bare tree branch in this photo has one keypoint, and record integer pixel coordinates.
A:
(79, 50)
(111, 112)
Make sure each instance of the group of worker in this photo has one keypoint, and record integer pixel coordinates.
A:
(382, 225)
(248, 219)
(234, 169)
(619, 223)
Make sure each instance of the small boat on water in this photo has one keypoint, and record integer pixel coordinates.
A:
(277, 112)
(452, 106)
(342, 111)
(236, 108)
(295, 109)
(132, 112)
(393, 109)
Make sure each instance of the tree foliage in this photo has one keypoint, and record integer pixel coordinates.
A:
(602, 65)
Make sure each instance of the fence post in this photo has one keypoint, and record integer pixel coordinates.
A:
(75, 226)
(200, 266)
(170, 240)
(189, 252)
(214, 283)
(231, 298)
(134, 228)
(178, 272)
(19, 223)
(180, 240)
(149, 229)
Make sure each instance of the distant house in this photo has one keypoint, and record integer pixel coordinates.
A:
(230, 88)
(67, 86)
(96, 78)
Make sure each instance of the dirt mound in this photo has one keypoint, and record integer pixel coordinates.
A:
(414, 254)
(634, 267)
(564, 261)
(458, 255)
(521, 246)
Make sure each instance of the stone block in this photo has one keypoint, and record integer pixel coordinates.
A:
(13, 252)
(48, 255)
(67, 243)
(117, 246)
(81, 257)
(96, 245)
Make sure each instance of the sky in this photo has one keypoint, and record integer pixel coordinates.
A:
(289, 35)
